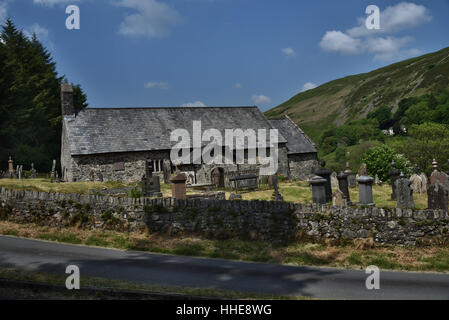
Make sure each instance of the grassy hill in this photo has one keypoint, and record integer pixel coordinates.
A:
(353, 97)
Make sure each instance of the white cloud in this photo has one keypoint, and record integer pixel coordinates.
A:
(308, 86)
(238, 85)
(340, 42)
(152, 19)
(53, 2)
(289, 52)
(41, 32)
(404, 15)
(156, 85)
(385, 48)
(260, 99)
(193, 104)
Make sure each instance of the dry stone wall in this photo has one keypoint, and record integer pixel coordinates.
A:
(280, 222)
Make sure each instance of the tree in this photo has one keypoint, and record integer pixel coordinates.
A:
(379, 159)
(30, 125)
(426, 142)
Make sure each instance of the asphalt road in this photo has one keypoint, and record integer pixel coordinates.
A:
(157, 269)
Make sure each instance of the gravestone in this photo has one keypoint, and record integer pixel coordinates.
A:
(334, 180)
(318, 190)
(151, 185)
(245, 182)
(100, 177)
(343, 185)
(404, 193)
(363, 171)
(10, 168)
(325, 173)
(179, 186)
(416, 183)
(394, 175)
(92, 175)
(33, 172)
(53, 173)
(276, 194)
(20, 173)
(437, 196)
(366, 190)
(167, 171)
(438, 176)
(377, 180)
(424, 182)
(352, 183)
(339, 199)
(17, 171)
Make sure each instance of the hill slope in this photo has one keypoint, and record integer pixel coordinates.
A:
(353, 97)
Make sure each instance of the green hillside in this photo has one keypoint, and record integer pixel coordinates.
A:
(337, 102)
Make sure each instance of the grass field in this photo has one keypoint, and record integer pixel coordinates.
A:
(297, 192)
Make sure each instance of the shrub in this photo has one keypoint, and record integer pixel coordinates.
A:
(378, 161)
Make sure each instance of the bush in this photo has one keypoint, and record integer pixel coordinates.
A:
(378, 161)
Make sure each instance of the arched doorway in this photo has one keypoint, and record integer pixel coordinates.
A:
(217, 177)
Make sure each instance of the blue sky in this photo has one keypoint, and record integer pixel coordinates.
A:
(136, 53)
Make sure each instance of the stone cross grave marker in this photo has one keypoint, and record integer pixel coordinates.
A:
(404, 193)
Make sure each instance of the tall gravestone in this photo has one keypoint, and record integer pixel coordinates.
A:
(10, 168)
(438, 176)
(437, 196)
(416, 180)
(404, 193)
(352, 183)
(366, 190)
(53, 171)
(394, 175)
(151, 186)
(334, 180)
(33, 171)
(179, 186)
(424, 182)
(326, 174)
(318, 190)
(343, 185)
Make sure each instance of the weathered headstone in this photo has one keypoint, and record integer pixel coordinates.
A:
(10, 168)
(92, 175)
(352, 183)
(404, 193)
(339, 199)
(151, 185)
(343, 185)
(100, 177)
(33, 172)
(394, 175)
(334, 180)
(276, 194)
(366, 190)
(416, 183)
(438, 176)
(318, 190)
(53, 173)
(424, 182)
(325, 173)
(437, 196)
(167, 171)
(20, 172)
(363, 171)
(377, 180)
(179, 186)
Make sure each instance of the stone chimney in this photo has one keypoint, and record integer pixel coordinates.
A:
(67, 107)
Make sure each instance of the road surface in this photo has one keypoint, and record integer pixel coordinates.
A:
(158, 269)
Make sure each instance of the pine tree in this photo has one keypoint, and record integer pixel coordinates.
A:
(30, 125)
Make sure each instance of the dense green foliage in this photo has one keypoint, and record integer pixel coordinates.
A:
(424, 143)
(30, 116)
(379, 159)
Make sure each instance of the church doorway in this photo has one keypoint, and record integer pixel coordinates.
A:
(218, 177)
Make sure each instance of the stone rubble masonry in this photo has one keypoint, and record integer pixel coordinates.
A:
(258, 220)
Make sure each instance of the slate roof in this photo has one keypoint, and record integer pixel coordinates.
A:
(297, 141)
(111, 130)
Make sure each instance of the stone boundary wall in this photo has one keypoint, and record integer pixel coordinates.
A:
(279, 222)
